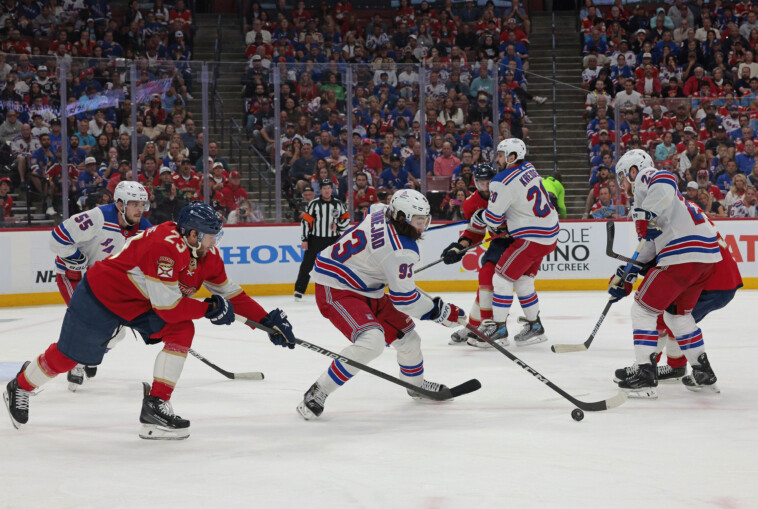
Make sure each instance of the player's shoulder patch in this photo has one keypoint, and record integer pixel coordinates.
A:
(165, 267)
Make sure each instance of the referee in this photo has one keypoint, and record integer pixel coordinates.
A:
(324, 221)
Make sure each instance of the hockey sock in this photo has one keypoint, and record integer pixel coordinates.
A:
(674, 356)
(475, 316)
(484, 293)
(410, 358)
(687, 334)
(527, 297)
(645, 333)
(502, 298)
(368, 346)
(48, 365)
(167, 370)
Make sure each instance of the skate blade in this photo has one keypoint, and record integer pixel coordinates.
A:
(704, 388)
(531, 341)
(503, 342)
(155, 432)
(305, 412)
(670, 380)
(6, 398)
(479, 344)
(646, 393)
(73, 387)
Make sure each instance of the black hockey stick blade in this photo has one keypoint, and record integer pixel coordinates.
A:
(459, 390)
(610, 229)
(250, 375)
(594, 406)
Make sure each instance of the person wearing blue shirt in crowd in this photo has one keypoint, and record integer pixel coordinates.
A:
(76, 155)
(724, 181)
(332, 126)
(746, 160)
(510, 56)
(394, 177)
(413, 163)
(485, 140)
(91, 180)
(401, 111)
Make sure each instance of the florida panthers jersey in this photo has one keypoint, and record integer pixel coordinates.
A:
(94, 233)
(688, 235)
(371, 256)
(476, 228)
(518, 197)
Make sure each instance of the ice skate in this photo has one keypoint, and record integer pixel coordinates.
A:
(298, 296)
(702, 376)
(75, 377)
(460, 336)
(158, 419)
(426, 385)
(17, 401)
(496, 331)
(665, 373)
(312, 405)
(532, 333)
(90, 371)
(643, 383)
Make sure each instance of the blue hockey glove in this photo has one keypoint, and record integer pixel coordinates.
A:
(220, 310)
(76, 262)
(642, 224)
(619, 289)
(283, 335)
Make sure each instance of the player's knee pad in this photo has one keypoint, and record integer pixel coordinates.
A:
(178, 336)
(368, 345)
(410, 344)
(642, 318)
(524, 286)
(680, 325)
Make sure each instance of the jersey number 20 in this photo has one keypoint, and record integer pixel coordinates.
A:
(538, 194)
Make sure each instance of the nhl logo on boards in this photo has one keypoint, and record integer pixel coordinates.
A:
(165, 267)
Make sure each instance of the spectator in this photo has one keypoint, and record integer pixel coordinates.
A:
(704, 183)
(710, 204)
(747, 207)
(167, 202)
(6, 200)
(363, 194)
(246, 214)
(665, 149)
(10, 128)
(91, 180)
(605, 207)
(233, 193)
(447, 162)
(736, 192)
(724, 181)
(394, 177)
(187, 182)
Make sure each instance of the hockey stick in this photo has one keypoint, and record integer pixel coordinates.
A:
(447, 225)
(442, 258)
(596, 406)
(449, 393)
(610, 229)
(581, 347)
(251, 375)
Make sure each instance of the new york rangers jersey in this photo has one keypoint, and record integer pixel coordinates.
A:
(94, 233)
(371, 256)
(518, 197)
(688, 235)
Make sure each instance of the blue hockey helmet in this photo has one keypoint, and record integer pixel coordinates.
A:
(202, 218)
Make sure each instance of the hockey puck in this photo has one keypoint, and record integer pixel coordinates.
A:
(577, 414)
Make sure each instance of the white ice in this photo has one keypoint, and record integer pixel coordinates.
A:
(511, 444)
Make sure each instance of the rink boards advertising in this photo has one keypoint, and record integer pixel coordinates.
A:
(265, 259)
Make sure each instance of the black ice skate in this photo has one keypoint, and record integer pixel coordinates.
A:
(312, 405)
(158, 419)
(17, 401)
(643, 383)
(426, 385)
(532, 333)
(665, 373)
(460, 336)
(702, 376)
(90, 371)
(496, 331)
(75, 377)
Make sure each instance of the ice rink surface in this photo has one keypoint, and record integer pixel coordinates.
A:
(511, 444)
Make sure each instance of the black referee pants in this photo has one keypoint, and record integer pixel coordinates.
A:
(315, 246)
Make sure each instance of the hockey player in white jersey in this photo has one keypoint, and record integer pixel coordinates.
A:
(518, 198)
(91, 236)
(684, 245)
(350, 279)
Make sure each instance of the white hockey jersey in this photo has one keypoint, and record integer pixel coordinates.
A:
(94, 233)
(688, 235)
(518, 197)
(371, 256)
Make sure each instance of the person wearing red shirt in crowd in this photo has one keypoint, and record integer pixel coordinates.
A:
(181, 12)
(6, 201)
(233, 194)
(219, 177)
(693, 84)
(371, 160)
(433, 126)
(510, 26)
(148, 176)
(186, 181)
(363, 194)
(14, 44)
(690, 134)
(656, 119)
(703, 182)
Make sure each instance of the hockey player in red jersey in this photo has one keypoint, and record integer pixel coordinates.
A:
(142, 287)
(475, 231)
(685, 248)
(91, 236)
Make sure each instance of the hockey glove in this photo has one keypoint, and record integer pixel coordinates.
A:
(77, 262)
(283, 335)
(220, 310)
(453, 253)
(619, 289)
(645, 230)
(445, 314)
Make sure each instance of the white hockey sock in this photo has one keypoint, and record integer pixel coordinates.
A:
(410, 359)
(527, 297)
(474, 316)
(368, 346)
(167, 369)
(484, 300)
(688, 335)
(502, 298)
(645, 333)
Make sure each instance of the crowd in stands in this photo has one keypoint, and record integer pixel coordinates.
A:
(459, 48)
(679, 80)
(97, 45)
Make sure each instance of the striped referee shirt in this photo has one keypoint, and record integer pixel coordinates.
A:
(325, 218)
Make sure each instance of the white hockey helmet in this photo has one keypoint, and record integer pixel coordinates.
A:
(636, 157)
(512, 145)
(411, 203)
(127, 191)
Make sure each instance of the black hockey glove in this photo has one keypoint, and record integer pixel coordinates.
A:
(283, 336)
(220, 310)
(453, 253)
